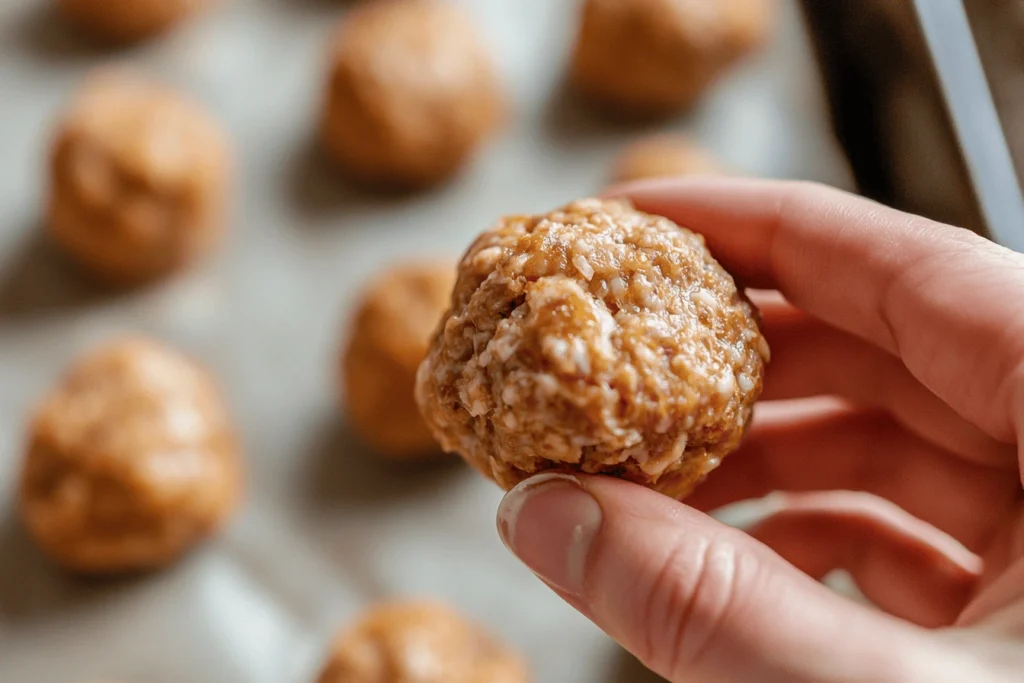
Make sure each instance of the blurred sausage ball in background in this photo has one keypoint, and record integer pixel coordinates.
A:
(419, 642)
(131, 460)
(663, 156)
(649, 58)
(411, 93)
(139, 179)
(388, 338)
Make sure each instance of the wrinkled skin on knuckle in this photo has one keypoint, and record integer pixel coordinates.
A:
(687, 603)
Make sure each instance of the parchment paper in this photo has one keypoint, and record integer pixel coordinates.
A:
(325, 529)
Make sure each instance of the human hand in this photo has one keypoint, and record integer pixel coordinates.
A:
(904, 338)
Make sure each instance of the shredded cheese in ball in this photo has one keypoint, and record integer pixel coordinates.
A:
(594, 338)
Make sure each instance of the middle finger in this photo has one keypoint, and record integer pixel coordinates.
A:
(821, 446)
(811, 358)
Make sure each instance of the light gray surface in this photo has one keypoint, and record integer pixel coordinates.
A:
(324, 530)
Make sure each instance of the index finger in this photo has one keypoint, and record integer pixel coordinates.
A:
(943, 299)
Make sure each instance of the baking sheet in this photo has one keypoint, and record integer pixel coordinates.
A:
(325, 529)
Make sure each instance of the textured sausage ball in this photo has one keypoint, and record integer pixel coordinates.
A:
(652, 57)
(139, 178)
(411, 94)
(663, 156)
(594, 338)
(419, 642)
(128, 20)
(131, 460)
(388, 339)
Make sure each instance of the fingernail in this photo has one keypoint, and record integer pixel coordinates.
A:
(549, 522)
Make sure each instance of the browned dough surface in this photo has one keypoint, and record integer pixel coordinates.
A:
(594, 338)
(131, 460)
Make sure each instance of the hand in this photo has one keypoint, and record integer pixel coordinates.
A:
(904, 338)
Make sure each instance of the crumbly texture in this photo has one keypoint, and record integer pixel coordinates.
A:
(128, 20)
(419, 642)
(138, 179)
(645, 58)
(663, 156)
(594, 338)
(131, 460)
(388, 340)
(412, 93)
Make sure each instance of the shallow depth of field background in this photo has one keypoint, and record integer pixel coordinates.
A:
(325, 529)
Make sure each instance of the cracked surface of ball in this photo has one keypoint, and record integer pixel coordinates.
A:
(663, 156)
(419, 642)
(412, 93)
(594, 338)
(138, 179)
(652, 57)
(128, 20)
(388, 339)
(131, 460)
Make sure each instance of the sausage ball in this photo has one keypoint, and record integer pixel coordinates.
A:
(139, 178)
(648, 58)
(662, 156)
(412, 93)
(127, 20)
(419, 642)
(598, 339)
(388, 339)
(131, 460)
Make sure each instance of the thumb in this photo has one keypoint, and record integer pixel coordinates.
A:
(694, 599)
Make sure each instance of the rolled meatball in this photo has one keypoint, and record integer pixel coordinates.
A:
(597, 339)
(139, 179)
(663, 156)
(128, 20)
(388, 341)
(131, 460)
(419, 642)
(412, 93)
(648, 58)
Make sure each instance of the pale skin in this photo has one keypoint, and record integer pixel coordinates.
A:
(891, 420)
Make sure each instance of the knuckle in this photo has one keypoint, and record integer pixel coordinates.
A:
(689, 603)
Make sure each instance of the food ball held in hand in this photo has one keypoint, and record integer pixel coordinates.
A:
(387, 341)
(649, 58)
(128, 20)
(419, 642)
(139, 179)
(594, 338)
(411, 94)
(132, 459)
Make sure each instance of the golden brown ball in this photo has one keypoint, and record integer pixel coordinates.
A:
(419, 642)
(593, 338)
(663, 156)
(412, 93)
(131, 460)
(649, 58)
(139, 179)
(388, 339)
(128, 20)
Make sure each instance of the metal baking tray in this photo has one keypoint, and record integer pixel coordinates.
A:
(927, 97)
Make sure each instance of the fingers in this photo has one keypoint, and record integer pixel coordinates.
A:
(810, 358)
(1000, 606)
(800, 447)
(902, 565)
(934, 295)
(695, 600)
